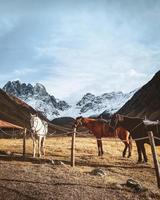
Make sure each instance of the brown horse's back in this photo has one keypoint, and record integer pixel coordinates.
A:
(100, 128)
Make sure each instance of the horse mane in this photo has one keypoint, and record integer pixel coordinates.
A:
(79, 117)
(93, 119)
(129, 117)
(102, 120)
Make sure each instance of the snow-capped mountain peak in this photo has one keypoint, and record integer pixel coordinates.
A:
(111, 102)
(37, 97)
(87, 98)
(40, 90)
(90, 104)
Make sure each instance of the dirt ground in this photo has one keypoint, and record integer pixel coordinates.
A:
(44, 179)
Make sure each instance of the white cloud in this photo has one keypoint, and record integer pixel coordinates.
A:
(98, 64)
(24, 71)
(88, 47)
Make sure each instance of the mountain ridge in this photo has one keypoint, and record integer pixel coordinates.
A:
(146, 101)
(89, 105)
(16, 111)
(37, 97)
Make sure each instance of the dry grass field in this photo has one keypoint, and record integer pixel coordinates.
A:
(27, 179)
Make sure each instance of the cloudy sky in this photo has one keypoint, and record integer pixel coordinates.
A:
(73, 47)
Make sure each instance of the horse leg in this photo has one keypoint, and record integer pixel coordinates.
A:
(101, 147)
(125, 149)
(34, 147)
(39, 146)
(43, 146)
(128, 144)
(138, 144)
(144, 153)
(130, 148)
(98, 145)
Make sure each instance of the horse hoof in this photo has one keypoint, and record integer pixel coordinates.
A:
(144, 161)
(139, 162)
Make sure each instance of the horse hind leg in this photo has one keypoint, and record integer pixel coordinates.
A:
(125, 149)
(43, 146)
(34, 148)
(39, 146)
(144, 153)
(139, 150)
(127, 144)
(99, 147)
(130, 148)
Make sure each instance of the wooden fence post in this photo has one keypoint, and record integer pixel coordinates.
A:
(155, 159)
(73, 148)
(24, 143)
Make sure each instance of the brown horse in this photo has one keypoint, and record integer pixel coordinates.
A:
(101, 128)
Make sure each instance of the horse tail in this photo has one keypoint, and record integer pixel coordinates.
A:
(130, 137)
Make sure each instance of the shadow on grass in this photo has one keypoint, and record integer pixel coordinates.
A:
(28, 158)
(21, 158)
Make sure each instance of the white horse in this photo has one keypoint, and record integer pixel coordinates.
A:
(39, 131)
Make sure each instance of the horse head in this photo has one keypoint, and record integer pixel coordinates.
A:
(79, 121)
(115, 119)
(33, 121)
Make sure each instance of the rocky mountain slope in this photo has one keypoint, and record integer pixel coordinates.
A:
(37, 97)
(146, 101)
(16, 111)
(67, 122)
(109, 102)
(89, 105)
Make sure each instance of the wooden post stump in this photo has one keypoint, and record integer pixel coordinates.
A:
(155, 159)
(73, 148)
(24, 143)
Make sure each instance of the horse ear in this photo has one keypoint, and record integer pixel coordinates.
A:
(117, 116)
(120, 118)
(78, 118)
(82, 120)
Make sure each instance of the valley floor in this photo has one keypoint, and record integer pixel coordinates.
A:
(37, 179)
